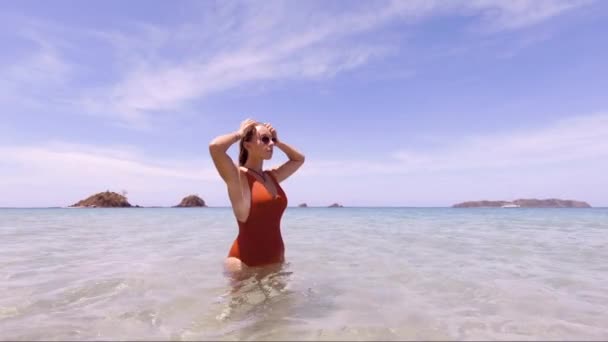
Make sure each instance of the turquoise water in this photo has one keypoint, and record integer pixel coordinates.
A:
(352, 273)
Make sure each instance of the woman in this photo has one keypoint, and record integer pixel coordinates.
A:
(257, 199)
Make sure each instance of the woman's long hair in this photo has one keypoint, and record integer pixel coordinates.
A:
(243, 153)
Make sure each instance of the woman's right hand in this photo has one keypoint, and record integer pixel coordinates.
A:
(246, 125)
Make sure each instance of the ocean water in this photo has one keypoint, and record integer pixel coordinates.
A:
(351, 274)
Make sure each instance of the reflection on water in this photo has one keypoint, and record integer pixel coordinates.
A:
(259, 289)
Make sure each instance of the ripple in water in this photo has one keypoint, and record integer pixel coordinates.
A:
(361, 274)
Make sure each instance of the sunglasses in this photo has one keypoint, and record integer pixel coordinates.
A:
(266, 139)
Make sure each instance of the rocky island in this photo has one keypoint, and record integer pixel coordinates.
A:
(191, 201)
(336, 205)
(106, 199)
(524, 203)
(303, 205)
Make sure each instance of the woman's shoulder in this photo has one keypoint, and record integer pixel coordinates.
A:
(244, 172)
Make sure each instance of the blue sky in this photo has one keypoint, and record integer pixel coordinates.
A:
(394, 103)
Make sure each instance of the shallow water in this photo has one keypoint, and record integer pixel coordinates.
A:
(352, 273)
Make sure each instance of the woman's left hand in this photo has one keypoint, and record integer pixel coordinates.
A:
(273, 131)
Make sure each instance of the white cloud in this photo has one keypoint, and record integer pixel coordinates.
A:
(582, 139)
(45, 67)
(274, 41)
(575, 139)
(34, 81)
(55, 173)
(565, 159)
(154, 69)
(515, 14)
(258, 50)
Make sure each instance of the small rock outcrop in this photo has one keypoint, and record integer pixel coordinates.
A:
(525, 203)
(106, 199)
(303, 205)
(336, 205)
(191, 202)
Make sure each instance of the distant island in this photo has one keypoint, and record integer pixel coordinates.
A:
(109, 199)
(106, 199)
(191, 201)
(524, 203)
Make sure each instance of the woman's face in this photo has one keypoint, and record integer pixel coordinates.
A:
(261, 144)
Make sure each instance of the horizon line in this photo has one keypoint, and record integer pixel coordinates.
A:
(297, 207)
